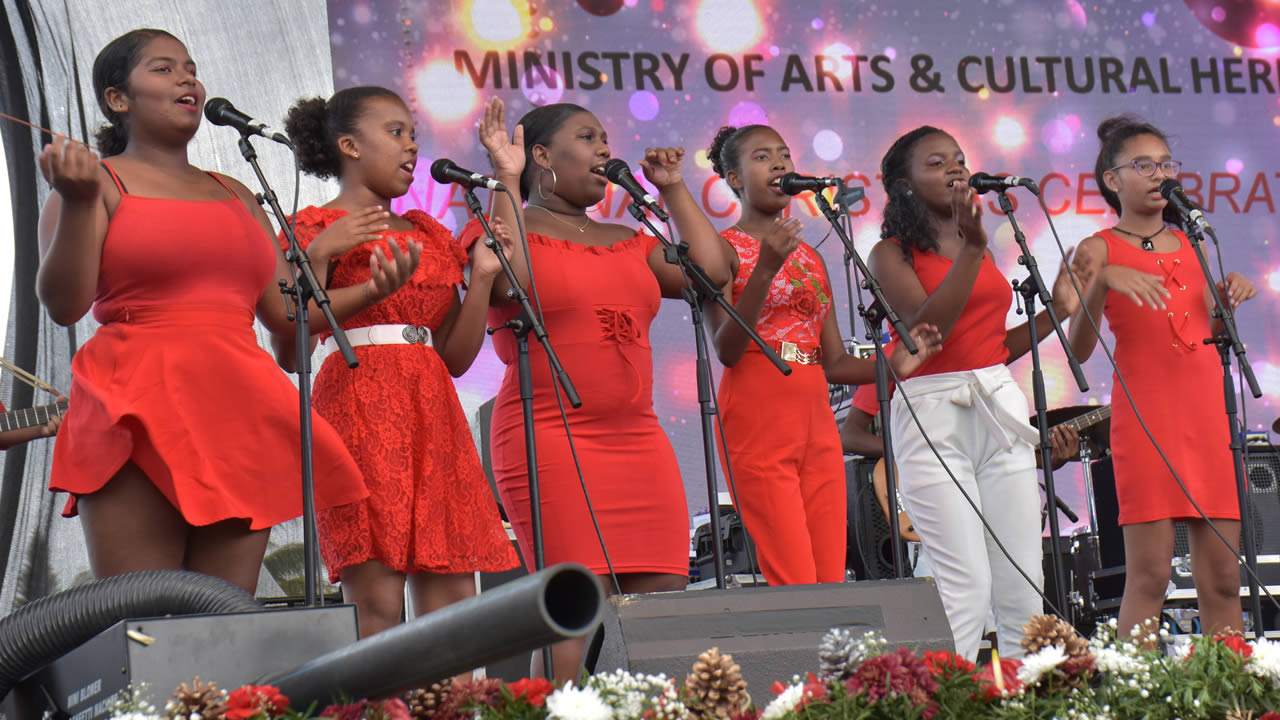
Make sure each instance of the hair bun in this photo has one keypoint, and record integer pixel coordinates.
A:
(1116, 123)
(716, 149)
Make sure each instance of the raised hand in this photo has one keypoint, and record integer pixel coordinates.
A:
(349, 231)
(72, 169)
(505, 152)
(1144, 289)
(967, 211)
(485, 262)
(389, 275)
(778, 244)
(928, 341)
(1065, 299)
(1236, 289)
(662, 166)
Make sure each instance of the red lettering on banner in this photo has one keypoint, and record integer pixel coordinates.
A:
(1083, 191)
(1066, 204)
(453, 192)
(706, 200)
(1260, 184)
(1191, 184)
(1228, 194)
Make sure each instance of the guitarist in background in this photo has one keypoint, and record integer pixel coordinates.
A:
(19, 435)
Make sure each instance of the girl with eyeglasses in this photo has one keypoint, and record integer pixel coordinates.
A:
(1143, 276)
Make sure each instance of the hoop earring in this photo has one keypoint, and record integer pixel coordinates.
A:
(910, 192)
(554, 180)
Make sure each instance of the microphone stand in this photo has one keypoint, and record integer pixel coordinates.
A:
(700, 286)
(306, 287)
(879, 309)
(527, 321)
(1227, 342)
(1031, 289)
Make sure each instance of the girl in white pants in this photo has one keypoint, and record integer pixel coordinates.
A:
(935, 267)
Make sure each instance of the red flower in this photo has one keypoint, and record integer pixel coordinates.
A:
(395, 709)
(1271, 715)
(534, 690)
(804, 304)
(944, 663)
(896, 673)
(814, 691)
(254, 700)
(1008, 677)
(350, 711)
(1236, 643)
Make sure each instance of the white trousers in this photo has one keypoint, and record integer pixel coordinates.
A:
(977, 420)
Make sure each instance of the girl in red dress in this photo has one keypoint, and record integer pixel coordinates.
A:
(180, 448)
(430, 516)
(780, 434)
(935, 267)
(1148, 283)
(600, 286)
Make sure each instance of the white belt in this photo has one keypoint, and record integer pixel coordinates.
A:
(384, 335)
(976, 389)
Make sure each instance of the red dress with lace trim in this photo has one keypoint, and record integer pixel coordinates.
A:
(779, 431)
(1176, 384)
(598, 304)
(430, 508)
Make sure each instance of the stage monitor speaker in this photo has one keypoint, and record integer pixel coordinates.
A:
(771, 632)
(869, 550)
(1262, 468)
(158, 654)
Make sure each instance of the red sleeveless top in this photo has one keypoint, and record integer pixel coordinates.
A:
(977, 339)
(799, 298)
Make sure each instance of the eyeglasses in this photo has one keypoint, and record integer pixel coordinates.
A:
(1147, 168)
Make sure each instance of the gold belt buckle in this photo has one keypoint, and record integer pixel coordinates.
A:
(790, 352)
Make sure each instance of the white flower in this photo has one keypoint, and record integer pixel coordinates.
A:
(1041, 663)
(1265, 660)
(784, 703)
(570, 703)
(1110, 660)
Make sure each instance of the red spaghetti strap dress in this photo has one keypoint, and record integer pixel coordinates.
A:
(429, 508)
(779, 431)
(1176, 382)
(598, 304)
(175, 380)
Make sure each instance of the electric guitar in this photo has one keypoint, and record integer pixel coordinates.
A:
(26, 417)
(907, 531)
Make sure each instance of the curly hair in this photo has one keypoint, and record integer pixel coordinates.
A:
(906, 218)
(314, 125)
(1113, 133)
(724, 149)
(540, 124)
(111, 69)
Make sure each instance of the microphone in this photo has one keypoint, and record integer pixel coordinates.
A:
(445, 171)
(619, 173)
(983, 183)
(1171, 190)
(793, 184)
(220, 111)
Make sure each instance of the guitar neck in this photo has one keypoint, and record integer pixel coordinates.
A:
(27, 417)
(1089, 419)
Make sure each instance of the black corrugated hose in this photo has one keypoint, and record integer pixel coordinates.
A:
(45, 630)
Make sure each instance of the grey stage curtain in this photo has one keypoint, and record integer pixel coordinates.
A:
(262, 56)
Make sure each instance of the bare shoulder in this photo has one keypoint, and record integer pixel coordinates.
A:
(885, 255)
(1093, 249)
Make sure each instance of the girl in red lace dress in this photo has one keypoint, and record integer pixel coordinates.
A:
(430, 516)
(1148, 283)
(780, 434)
(600, 287)
(180, 448)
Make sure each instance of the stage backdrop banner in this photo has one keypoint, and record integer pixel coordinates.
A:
(1022, 87)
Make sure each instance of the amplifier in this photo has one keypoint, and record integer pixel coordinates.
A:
(156, 655)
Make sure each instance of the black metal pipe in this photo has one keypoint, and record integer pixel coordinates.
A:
(558, 603)
(43, 631)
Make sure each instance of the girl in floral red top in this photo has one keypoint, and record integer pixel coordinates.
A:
(779, 431)
(430, 516)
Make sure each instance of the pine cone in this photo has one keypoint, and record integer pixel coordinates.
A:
(424, 702)
(717, 686)
(837, 659)
(1045, 630)
(202, 698)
